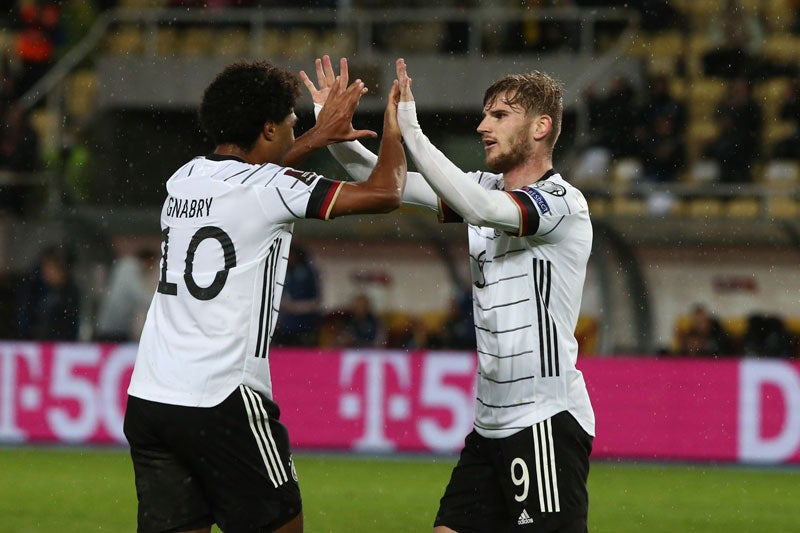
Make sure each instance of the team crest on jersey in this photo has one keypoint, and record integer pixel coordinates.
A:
(306, 177)
(550, 188)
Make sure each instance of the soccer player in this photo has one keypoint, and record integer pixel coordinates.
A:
(526, 463)
(206, 441)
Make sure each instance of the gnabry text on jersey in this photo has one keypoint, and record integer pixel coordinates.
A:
(185, 208)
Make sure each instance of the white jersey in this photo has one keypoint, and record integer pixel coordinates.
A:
(227, 226)
(527, 291)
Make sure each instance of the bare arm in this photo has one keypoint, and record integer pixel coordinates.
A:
(382, 192)
(354, 157)
(334, 123)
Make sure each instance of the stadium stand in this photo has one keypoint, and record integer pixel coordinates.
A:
(618, 194)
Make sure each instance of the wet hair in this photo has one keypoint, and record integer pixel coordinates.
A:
(245, 96)
(535, 92)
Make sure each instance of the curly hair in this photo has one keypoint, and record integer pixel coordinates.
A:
(243, 97)
(535, 92)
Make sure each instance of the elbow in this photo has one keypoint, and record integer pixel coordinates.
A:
(390, 200)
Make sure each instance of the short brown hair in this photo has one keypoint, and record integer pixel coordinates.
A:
(535, 92)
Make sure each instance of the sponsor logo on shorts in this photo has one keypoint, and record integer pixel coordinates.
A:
(291, 467)
(524, 518)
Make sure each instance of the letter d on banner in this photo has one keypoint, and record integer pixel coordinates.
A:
(753, 376)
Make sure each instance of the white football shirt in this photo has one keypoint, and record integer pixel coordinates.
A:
(226, 226)
(527, 291)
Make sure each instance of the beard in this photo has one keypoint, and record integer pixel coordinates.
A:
(514, 156)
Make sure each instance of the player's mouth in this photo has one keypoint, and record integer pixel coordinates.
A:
(488, 144)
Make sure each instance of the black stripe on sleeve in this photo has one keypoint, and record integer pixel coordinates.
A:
(529, 216)
(321, 198)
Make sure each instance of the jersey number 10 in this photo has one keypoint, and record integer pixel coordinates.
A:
(201, 293)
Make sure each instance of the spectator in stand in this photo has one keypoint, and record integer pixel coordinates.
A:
(361, 326)
(300, 318)
(133, 280)
(740, 120)
(607, 111)
(705, 336)
(36, 40)
(458, 332)
(736, 39)
(789, 146)
(19, 142)
(766, 336)
(48, 300)
(662, 127)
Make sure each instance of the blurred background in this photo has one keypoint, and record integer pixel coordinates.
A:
(681, 128)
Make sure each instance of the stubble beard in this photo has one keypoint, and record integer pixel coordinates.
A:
(515, 156)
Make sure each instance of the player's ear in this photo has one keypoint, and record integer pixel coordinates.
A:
(268, 131)
(542, 126)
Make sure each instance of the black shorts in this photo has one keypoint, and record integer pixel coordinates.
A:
(229, 464)
(534, 480)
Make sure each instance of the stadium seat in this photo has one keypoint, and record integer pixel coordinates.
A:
(627, 207)
(272, 42)
(197, 41)
(336, 43)
(774, 132)
(167, 39)
(705, 207)
(705, 94)
(664, 51)
(232, 42)
(743, 208)
(80, 94)
(698, 134)
(46, 124)
(782, 48)
(300, 43)
(127, 39)
(784, 207)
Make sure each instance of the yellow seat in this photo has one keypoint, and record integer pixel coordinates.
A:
(783, 207)
(197, 41)
(705, 207)
(80, 93)
(628, 207)
(233, 42)
(125, 40)
(743, 208)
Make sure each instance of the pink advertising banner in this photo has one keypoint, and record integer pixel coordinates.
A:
(737, 410)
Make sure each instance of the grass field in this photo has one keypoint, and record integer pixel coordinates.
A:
(44, 490)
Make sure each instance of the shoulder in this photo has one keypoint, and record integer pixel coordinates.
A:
(554, 195)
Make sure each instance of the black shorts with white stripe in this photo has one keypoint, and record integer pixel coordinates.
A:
(534, 480)
(229, 464)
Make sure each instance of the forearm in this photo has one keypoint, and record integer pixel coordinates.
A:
(474, 203)
(304, 146)
(358, 162)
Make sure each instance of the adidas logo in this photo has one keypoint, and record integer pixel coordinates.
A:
(524, 518)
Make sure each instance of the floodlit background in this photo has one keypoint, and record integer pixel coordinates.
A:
(681, 127)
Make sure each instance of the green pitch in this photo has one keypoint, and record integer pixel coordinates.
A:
(80, 490)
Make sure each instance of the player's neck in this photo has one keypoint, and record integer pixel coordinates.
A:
(527, 173)
(251, 157)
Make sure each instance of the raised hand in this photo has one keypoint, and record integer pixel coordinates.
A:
(339, 100)
(391, 127)
(404, 81)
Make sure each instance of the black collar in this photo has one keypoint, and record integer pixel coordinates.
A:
(548, 174)
(220, 157)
